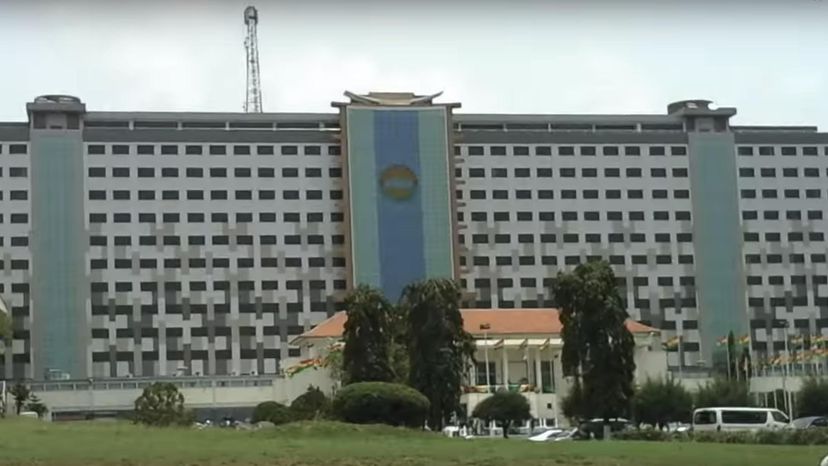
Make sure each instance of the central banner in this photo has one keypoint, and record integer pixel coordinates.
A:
(399, 180)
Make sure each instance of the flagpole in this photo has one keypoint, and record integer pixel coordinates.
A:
(785, 373)
(681, 359)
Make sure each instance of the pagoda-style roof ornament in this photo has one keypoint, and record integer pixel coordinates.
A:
(398, 99)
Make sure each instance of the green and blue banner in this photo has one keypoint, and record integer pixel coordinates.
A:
(400, 196)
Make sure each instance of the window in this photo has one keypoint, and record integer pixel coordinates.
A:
(766, 150)
(497, 150)
(658, 172)
(217, 150)
(169, 172)
(97, 172)
(241, 172)
(169, 195)
(541, 150)
(289, 150)
(635, 194)
(811, 172)
(632, 150)
(569, 216)
(95, 149)
(566, 150)
(678, 150)
(612, 172)
(745, 150)
(145, 149)
(683, 215)
(633, 173)
(568, 172)
(169, 150)
(120, 195)
(656, 150)
(814, 215)
(767, 172)
(679, 173)
(743, 417)
(18, 172)
(499, 173)
(747, 194)
(610, 150)
(544, 173)
(193, 150)
(241, 150)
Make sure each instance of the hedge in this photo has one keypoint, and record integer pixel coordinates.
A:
(813, 436)
(381, 403)
(272, 411)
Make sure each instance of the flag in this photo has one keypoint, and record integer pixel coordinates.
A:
(672, 343)
(744, 340)
(3, 308)
(499, 344)
(722, 341)
(303, 365)
(797, 339)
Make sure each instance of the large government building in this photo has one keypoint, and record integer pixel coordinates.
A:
(151, 244)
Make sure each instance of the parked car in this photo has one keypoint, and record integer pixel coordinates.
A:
(546, 436)
(594, 428)
(738, 418)
(810, 422)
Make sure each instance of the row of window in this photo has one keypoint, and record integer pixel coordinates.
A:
(216, 172)
(793, 237)
(16, 195)
(572, 173)
(795, 258)
(16, 172)
(780, 280)
(781, 301)
(215, 240)
(530, 238)
(784, 150)
(570, 215)
(15, 149)
(485, 261)
(499, 194)
(216, 263)
(215, 217)
(211, 149)
(16, 218)
(98, 288)
(774, 215)
(215, 194)
(774, 194)
(571, 150)
(549, 282)
(789, 172)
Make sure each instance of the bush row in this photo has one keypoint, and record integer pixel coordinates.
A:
(359, 403)
(765, 437)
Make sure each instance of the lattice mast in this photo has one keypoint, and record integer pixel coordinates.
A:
(253, 98)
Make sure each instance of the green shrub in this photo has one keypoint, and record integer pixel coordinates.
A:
(505, 408)
(161, 404)
(272, 411)
(649, 435)
(381, 403)
(812, 399)
(313, 404)
(762, 437)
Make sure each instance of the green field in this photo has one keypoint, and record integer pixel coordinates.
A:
(317, 444)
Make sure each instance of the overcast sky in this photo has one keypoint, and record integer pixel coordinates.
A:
(769, 59)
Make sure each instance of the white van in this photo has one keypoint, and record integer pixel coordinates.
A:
(733, 419)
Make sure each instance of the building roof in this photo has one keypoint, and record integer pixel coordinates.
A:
(532, 321)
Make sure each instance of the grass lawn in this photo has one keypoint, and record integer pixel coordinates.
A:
(27, 442)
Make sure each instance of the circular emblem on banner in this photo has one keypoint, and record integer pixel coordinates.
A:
(398, 182)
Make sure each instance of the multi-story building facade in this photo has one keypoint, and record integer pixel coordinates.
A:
(143, 243)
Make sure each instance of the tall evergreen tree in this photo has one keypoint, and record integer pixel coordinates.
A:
(368, 336)
(439, 349)
(597, 346)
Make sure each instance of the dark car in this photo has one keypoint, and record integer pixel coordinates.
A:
(810, 422)
(595, 428)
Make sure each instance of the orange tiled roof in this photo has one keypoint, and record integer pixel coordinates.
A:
(500, 322)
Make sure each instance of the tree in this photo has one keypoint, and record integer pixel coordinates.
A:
(505, 408)
(723, 392)
(661, 401)
(574, 406)
(161, 404)
(5, 330)
(367, 335)
(439, 350)
(36, 406)
(812, 399)
(313, 404)
(597, 346)
(271, 411)
(21, 394)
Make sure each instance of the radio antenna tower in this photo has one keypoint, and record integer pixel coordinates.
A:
(253, 99)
